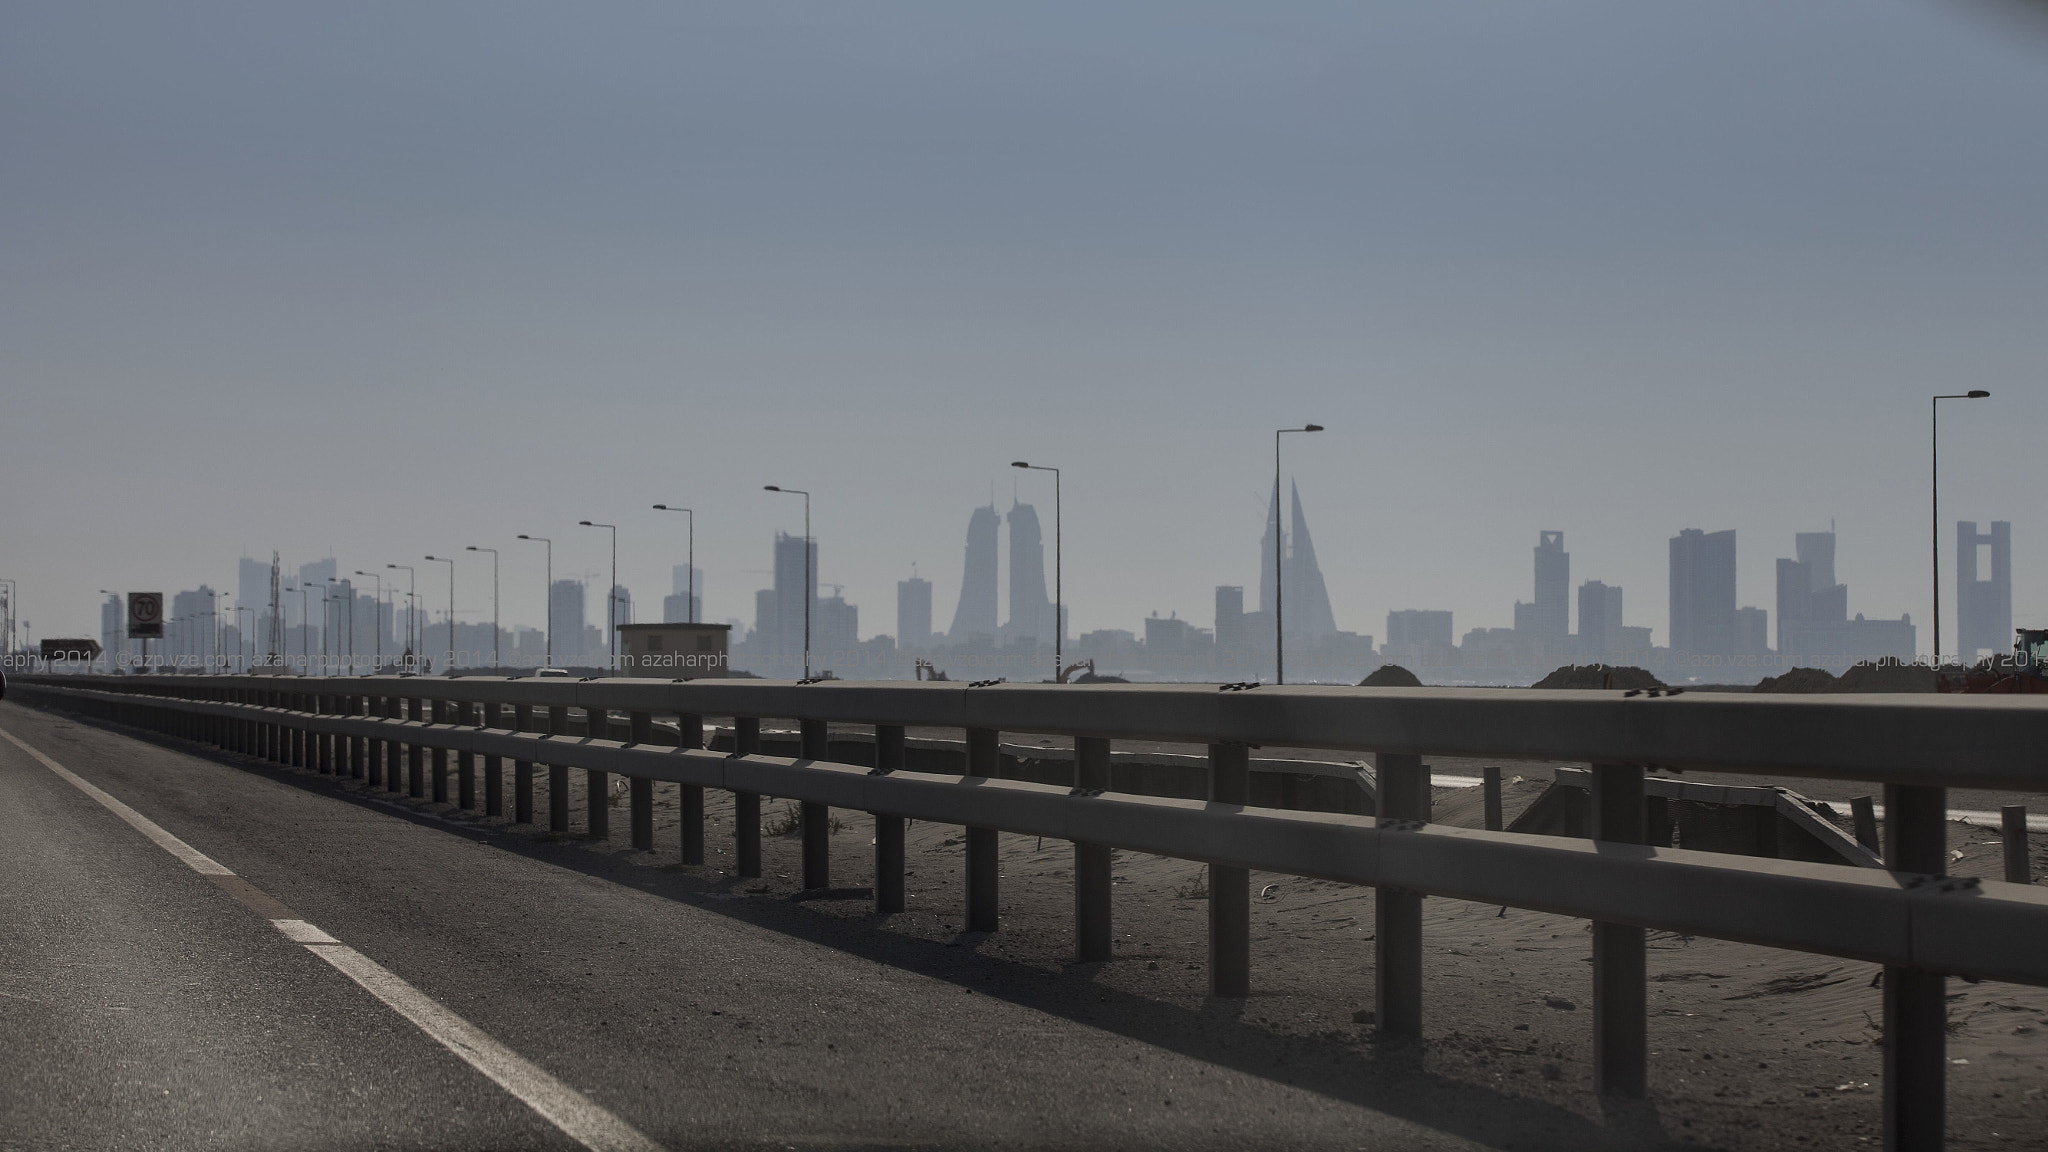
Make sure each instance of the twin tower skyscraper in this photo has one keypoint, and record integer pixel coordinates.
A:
(1031, 618)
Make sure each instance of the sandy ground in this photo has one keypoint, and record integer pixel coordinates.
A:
(1753, 1048)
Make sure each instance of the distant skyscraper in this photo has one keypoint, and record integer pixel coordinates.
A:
(1703, 593)
(1229, 615)
(114, 627)
(976, 614)
(1812, 607)
(678, 608)
(319, 572)
(913, 613)
(1752, 632)
(1412, 632)
(764, 638)
(565, 612)
(1599, 619)
(1814, 627)
(1983, 607)
(835, 630)
(1307, 606)
(1308, 597)
(790, 591)
(1553, 586)
(1030, 608)
(252, 588)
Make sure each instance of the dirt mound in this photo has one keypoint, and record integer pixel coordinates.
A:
(1390, 676)
(1598, 676)
(1887, 677)
(1798, 680)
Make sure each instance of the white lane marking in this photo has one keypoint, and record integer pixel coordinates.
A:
(561, 1105)
(198, 861)
(567, 1109)
(302, 932)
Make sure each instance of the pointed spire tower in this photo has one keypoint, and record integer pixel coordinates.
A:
(1308, 599)
(1268, 553)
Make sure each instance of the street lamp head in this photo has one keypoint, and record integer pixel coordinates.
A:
(1019, 464)
(391, 565)
(471, 547)
(770, 488)
(1976, 394)
(524, 536)
(661, 507)
(1312, 428)
(585, 523)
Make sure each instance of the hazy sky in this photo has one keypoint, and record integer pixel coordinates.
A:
(379, 280)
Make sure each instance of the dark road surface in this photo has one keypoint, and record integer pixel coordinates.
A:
(145, 1005)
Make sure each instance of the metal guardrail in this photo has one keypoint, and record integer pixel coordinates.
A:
(1907, 916)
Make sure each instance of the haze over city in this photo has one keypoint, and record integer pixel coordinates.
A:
(384, 282)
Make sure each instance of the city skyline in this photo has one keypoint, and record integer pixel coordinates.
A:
(1808, 621)
(1521, 304)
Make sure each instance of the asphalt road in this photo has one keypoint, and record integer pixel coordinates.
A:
(145, 1005)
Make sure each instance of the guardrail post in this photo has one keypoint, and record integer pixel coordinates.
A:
(438, 714)
(597, 789)
(816, 818)
(888, 829)
(522, 770)
(1092, 862)
(358, 746)
(1492, 799)
(316, 747)
(336, 749)
(558, 776)
(1864, 813)
(373, 752)
(746, 806)
(1230, 888)
(641, 788)
(416, 754)
(1915, 1001)
(394, 749)
(298, 707)
(1621, 1049)
(690, 798)
(325, 745)
(494, 766)
(1397, 913)
(2012, 821)
(465, 760)
(984, 758)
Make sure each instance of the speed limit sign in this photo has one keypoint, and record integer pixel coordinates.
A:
(145, 615)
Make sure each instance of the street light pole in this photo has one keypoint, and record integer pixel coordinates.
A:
(347, 649)
(1279, 577)
(1059, 610)
(448, 665)
(549, 658)
(412, 587)
(1934, 503)
(497, 661)
(305, 616)
(810, 587)
(611, 598)
(691, 563)
(377, 639)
